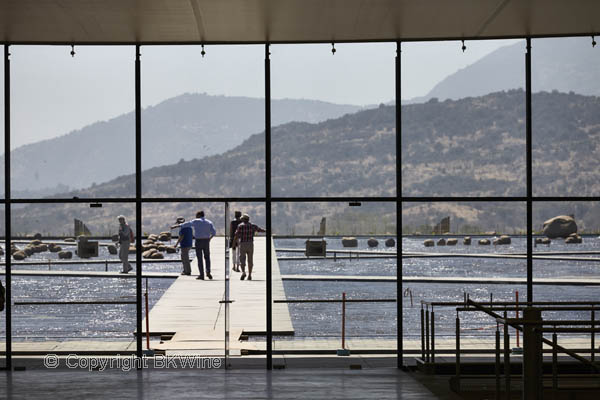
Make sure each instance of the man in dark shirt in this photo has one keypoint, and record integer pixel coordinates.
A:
(186, 237)
(244, 234)
(233, 243)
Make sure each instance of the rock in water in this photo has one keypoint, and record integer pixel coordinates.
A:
(372, 242)
(504, 239)
(484, 242)
(561, 226)
(441, 242)
(112, 249)
(19, 255)
(574, 239)
(467, 240)
(390, 242)
(349, 242)
(429, 243)
(451, 242)
(65, 255)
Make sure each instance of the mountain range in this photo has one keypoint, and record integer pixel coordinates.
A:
(469, 147)
(181, 128)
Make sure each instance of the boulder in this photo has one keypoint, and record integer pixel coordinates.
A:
(148, 242)
(170, 249)
(43, 247)
(29, 250)
(390, 242)
(561, 226)
(112, 249)
(164, 236)
(429, 243)
(546, 241)
(153, 237)
(372, 242)
(157, 256)
(65, 254)
(19, 255)
(36, 242)
(149, 253)
(484, 242)
(574, 238)
(451, 242)
(467, 240)
(70, 240)
(38, 236)
(538, 240)
(161, 247)
(502, 240)
(53, 248)
(349, 242)
(441, 242)
(132, 250)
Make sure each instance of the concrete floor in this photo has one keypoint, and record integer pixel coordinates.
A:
(379, 383)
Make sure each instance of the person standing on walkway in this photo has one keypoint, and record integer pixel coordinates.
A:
(125, 240)
(244, 234)
(204, 231)
(186, 238)
(233, 243)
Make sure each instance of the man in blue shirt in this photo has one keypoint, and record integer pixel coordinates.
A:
(186, 237)
(204, 230)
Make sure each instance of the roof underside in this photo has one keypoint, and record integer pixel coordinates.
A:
(286, 21)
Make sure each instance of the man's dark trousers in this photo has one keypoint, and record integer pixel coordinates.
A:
(203, 246)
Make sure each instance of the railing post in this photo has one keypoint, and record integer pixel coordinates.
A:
(422, 333)
(554, 365)
(497, 369)
(532, 354)
(427, 333)
(457, 356)
(593, 340)
(506, 360)
(432, 336)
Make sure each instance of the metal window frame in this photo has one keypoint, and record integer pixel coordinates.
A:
(268, 199)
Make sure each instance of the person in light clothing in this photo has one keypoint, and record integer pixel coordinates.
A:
(204, 231)
(244, 234)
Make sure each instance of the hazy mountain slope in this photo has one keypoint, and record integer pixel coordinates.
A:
(185, 127)
(469, 147)
(564, 64)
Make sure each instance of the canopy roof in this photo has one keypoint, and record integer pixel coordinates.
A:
(286, 21)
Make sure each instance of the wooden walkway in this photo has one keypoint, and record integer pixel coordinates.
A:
(191, 310)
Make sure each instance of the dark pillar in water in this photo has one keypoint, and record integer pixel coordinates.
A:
(268, 205)
(138, 200)
(529, 173)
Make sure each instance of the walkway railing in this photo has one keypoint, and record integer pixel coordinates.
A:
(533, 327)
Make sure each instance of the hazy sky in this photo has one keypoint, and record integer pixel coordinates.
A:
(53, 93)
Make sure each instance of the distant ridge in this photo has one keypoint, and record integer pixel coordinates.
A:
(184, 127)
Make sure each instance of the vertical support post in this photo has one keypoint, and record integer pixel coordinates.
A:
(268, 205)
(593, 340)
(422, 333)
(528, 140)
(506, 360)
(427, 334)
(7, 209)
(432, 336)
(343, 320)
(517, 315)
(457, 355)
(138, 199)
(532, 354)
(147, 317)
(554, 365)
(497, 368)
(399, 291)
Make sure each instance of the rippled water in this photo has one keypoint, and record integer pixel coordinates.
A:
(44, 322)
